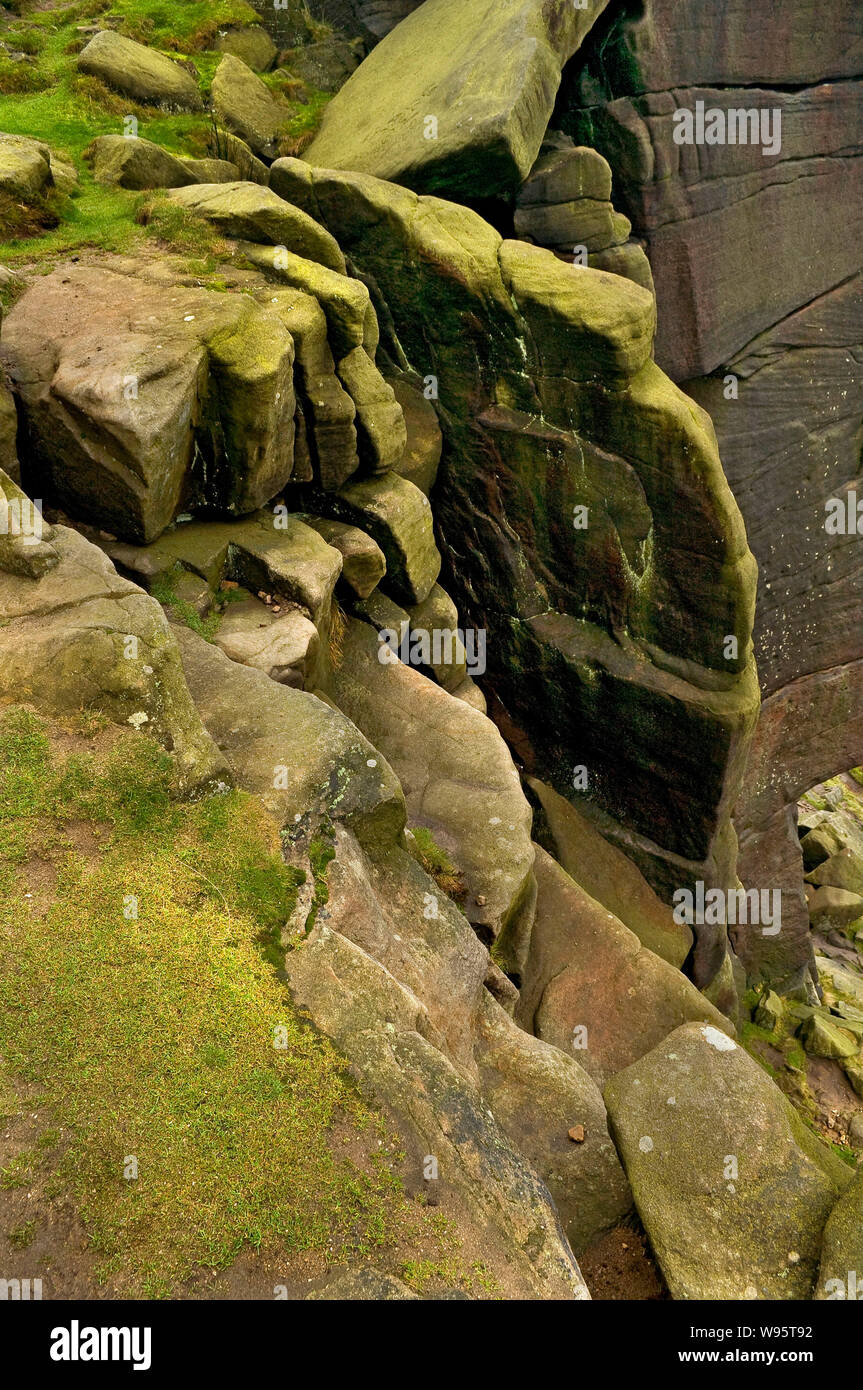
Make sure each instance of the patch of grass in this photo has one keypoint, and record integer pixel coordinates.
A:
(164, 590)
(140, 1005)
(20, 77)
(179, 230)
(322, 851)
(437, 863)
(22, 1236)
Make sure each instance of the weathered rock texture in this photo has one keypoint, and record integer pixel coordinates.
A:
(755, 255)
(486, 74)
(551, 405)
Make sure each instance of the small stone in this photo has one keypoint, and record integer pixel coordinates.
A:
(576, 1134)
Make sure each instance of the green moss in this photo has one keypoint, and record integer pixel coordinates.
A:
(321, 853)
(135, 1003)
(163, 589)
(437, 863)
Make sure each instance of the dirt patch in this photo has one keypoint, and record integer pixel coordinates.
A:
(620, 1266)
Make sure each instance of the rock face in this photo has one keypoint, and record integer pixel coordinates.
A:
(457, 776)
(842, 1253)
(601, 486)
(139, 400)
(139, 72)
(401, 118)
(591, 988)
(733, 1189)
(772, 353)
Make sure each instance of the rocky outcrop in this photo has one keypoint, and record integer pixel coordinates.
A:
(139, 401)
(767, 339)
(555, 416)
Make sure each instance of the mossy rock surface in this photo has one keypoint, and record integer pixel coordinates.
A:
(139, 72)
(733, 1189)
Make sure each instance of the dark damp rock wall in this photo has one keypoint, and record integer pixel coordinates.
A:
(756, 262)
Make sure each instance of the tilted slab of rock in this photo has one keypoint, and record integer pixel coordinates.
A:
(456, 771)
(246, 107)
(593, 532)
(254, 213)
(841, 1273)
(140, 400)
(138, 163)
(380, 1025)
(80, 637)
(733, 1189)
(487, 74)
(591, 988)
(139, 72)
(535, 1093)
(303, 758)
(608, 876)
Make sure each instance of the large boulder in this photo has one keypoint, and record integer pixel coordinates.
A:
(76, 637)
(245, 106)
(591, 988)
(457, 97)
(138, 163)
(139, 72)
(457, 774)
(252, 45)
(25, 167)
(141, 399)
(733, 1189)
